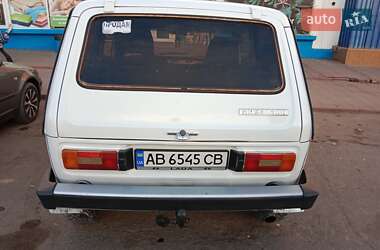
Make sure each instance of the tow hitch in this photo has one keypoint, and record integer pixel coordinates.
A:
(180, 219)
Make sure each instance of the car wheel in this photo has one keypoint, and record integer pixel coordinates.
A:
(29, 104)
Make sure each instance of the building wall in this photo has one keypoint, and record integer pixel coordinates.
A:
(363, 38)
(327, 39)
(49, 37)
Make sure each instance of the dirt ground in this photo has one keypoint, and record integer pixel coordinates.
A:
(343, 166)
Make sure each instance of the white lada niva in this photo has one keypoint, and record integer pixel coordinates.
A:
(177, 105)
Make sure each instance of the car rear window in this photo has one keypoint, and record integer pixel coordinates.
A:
(180, 54)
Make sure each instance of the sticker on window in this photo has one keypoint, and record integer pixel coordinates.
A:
(109, 28)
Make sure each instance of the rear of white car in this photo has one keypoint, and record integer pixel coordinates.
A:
(158, 105)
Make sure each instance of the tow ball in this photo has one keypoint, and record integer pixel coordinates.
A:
(180, 219)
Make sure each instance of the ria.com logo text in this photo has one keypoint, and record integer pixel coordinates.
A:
(334, 19)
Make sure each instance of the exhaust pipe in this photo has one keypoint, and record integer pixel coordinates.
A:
(266, 216)
(270, 218)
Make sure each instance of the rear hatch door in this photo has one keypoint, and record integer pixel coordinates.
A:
(147, 78)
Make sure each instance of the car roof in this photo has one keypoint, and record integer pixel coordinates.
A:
(255, 11)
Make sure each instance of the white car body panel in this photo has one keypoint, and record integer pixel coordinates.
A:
(303, 93)
(93, 119)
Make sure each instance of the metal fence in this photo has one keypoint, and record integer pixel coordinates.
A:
(370, 38)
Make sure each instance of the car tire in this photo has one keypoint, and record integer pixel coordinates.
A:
(29, 104)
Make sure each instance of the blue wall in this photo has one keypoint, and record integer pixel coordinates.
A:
(35, 39)
(49, 39)
(305, 43)
(365, 38)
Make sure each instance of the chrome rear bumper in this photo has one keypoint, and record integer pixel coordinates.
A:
(123, 197)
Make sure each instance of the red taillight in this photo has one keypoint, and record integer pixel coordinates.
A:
(269, 162)
(90, 160)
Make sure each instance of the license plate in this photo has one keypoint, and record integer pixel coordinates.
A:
(180, 160)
